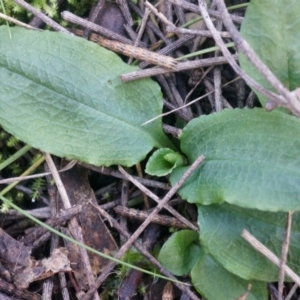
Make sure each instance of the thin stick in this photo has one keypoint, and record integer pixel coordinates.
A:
(269, 255)
(117, 174)
(140, 53)
(28, 171)
(142, 215)
(216, 14)
(169, 48)
(163, 202)
(172, 130)
(289, 100)
(135, 52)
(158, 200)
(177, 100)
(125, 10)
(141, 31)
(15, 21)
(185, 105)
(73, 224)
(217, 77)
(245, 295)
(205, 33)
(158, 14)
(140, 174)
(284, 253)
(291, 292)
(93, 15)
(67, 16)
(231, 61)
(21, 178)
(150, 25)
(182, 66)
(144, 251)
(42, 16)
(197, 84)
(179, 11)
(136, 234)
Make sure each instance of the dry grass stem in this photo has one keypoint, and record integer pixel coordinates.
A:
(284, 253)
(73, 224)
(142, 227)
(286, 98)
(216, 14)
(141, 31)
(21, 178)
(142, 215)
(228, 55)
(139, 53)
(15, 21)
(93, 15)
(158, 14)
(245, 295)
(158, 200)
(205, 33)
(181, 66)
(67, 16)
(269, 255)
(291, 292)
(145, 252)
(186, 105)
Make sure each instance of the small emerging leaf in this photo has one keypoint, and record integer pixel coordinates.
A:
(180, 252)
(251, 159)
(163, 161)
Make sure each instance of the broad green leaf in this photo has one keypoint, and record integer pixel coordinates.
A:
(271, 27)
(180, 252)
(251, 160)
(214, 282)
(163, 161)
(63, 95)
(221, 228)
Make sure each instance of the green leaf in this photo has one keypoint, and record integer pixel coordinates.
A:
(63, 95)
(180, 252)
(163, 161)
(251, 160)
(207, 273)
(271, 28)
(221, 228)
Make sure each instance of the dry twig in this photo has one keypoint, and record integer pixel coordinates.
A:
(143, 215)
(73, 224)
(182, 66)
(142, 249)
(136, 234)
(227, 54)
(156, 199)
(284, 253)
(42, 16)
(269, 254)
(286, 98)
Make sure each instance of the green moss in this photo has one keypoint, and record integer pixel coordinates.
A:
(48, 6)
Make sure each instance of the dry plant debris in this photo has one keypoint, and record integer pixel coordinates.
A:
(191, 87)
